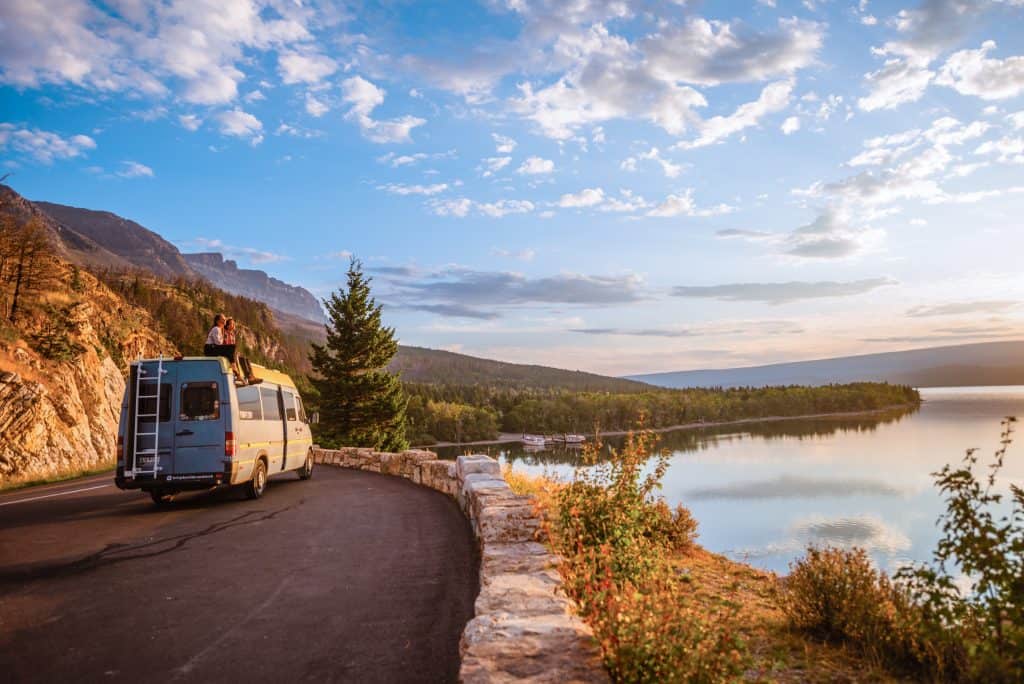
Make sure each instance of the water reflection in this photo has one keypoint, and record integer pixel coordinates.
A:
(762, 492)
(693, 439)
(793, 487)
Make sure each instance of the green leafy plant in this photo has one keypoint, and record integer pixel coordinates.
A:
(987, 548)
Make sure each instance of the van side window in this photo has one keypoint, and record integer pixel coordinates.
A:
(147, 407)
(289, 407)
(301, 408)
(271, 410)
(249, 403)
(199, 401)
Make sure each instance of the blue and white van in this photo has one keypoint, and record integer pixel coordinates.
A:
(185, 424)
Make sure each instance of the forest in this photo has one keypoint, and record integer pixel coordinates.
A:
(468, 413)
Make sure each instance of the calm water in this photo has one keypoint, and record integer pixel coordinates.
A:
(763, 492)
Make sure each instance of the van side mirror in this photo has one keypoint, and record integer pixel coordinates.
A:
(315, 418)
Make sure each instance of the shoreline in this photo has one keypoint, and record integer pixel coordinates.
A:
(509, 437)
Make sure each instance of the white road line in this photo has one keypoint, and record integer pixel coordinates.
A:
(47, 496)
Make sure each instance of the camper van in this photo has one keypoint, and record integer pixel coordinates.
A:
(185, 424)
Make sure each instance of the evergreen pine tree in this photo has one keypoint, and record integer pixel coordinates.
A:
(361, 403)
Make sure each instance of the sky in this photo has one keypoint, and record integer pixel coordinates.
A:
(615, 186)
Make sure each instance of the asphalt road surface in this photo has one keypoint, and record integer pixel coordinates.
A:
(348, 577)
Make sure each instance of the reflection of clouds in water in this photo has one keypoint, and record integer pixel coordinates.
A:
(793, 487)
(867, 532)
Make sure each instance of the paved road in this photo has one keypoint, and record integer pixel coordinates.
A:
(348, 577)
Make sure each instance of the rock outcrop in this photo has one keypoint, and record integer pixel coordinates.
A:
(524, 628)
(58, 415)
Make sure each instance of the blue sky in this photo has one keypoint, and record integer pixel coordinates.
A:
(616, 186)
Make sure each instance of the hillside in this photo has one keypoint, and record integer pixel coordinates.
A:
(419, 365)
(987, 363)
(102, 239)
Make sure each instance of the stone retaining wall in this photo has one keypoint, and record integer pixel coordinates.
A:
(524, 627)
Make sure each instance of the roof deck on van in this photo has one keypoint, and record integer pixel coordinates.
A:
(261, 372)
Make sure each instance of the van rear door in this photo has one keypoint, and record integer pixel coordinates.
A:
(199, 430)
(147, 404)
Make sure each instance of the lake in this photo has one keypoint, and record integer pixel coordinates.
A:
(763, 492)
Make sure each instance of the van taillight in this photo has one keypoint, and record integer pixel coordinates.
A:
(229, 443)
(119, 455)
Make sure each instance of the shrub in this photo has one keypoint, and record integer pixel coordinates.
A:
(618, 537)
(922, 622)
(988, 618)
(837, 595)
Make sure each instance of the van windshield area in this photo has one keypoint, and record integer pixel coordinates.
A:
(199, 401)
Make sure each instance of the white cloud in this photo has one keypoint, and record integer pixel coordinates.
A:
(190, 122)
(402, 189)
(492, 165)
(972, 72)
(712, 52)
(43, 146)
(587, 197)
(790, 125)
(364, 97)
(773, 98)
(312, 67)
(670, 169)
(504, 145)
(1008, 150)
(897, 82)
(315, 107)
(462, 206)
(132, 169)
(241, 125)
(682, 204)
(255, 96)
(1016, 119)
(534, 166)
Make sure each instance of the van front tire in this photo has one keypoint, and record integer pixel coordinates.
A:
(255, 487)
(306, 471)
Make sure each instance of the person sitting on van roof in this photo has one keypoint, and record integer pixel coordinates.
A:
(215, 338)
(221, 341)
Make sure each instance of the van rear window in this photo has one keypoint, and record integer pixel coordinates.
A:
(249, 403)
(271, 410)
(199, 401)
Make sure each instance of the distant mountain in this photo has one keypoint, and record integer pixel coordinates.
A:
(255, 284)
(135, 245)
(420, 365)
(104, 239)
(987, 363)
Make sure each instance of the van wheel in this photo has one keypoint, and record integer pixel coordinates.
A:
(306, 471)
(161, 497)
(255, 487)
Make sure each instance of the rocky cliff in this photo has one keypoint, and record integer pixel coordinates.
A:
(60, 385)
(255, 284)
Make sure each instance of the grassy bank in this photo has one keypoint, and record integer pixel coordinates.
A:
(663, 609)
(15, 484)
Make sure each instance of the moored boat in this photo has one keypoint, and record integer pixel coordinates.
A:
(533, 440)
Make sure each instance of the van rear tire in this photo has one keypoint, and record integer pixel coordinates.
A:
(255, 487)
(161, 497)
(306, 471)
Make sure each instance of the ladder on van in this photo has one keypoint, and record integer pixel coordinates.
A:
(154, 385)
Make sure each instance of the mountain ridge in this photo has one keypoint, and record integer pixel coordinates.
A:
(100, 238)
(948, 365)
